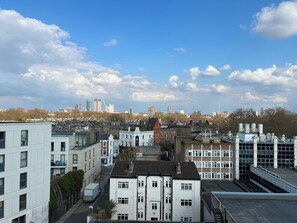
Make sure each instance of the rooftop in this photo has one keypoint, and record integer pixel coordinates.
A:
(286, 174)
(155, 168)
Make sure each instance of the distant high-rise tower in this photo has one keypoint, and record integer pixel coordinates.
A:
(88, 105)
(151, 111)
(131, 110)
(109, 108)
(169, 110)
(97, 105)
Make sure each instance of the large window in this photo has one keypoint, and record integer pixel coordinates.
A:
(123, 184)
(23, 180)
(2, 140)
(23, 202)
(21, 219)
(24, 159)
(185, 218)
(1, 209)
(1, 186)
(24, 137)
(186, 186)
(123, 200)
(122, 216)
(74, 158)
(2, 163)
(185, 202)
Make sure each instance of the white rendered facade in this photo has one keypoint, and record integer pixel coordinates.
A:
(107, 151)
(116, 147)
(25, 172)
(136, 138)
(156, 197)
(60, 146)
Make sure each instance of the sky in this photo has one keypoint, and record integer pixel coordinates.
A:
(207, 55)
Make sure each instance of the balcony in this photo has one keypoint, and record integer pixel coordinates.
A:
(58, 164)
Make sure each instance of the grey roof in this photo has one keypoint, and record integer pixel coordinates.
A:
(155, 168)
(219, 185)
(257, 208)
(286, 174)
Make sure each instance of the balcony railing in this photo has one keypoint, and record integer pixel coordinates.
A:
(58, 163)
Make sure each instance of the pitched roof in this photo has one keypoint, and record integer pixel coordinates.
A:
(155, 168)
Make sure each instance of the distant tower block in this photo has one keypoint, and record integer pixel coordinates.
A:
(88, 105)
(151, 111)
(131, 110)
(97, 105)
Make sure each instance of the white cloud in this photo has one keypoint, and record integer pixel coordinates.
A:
(270, 99)
(153, 96)
(180, 49)
(211, 71)
(192, 87)
(276, 22)
(140, 69)
(285, 76)
(225, 67)
(110, 43)
(219, 88)
(173, 81)
(194, 71)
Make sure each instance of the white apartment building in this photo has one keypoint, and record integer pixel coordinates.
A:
(155, 191)
(136, 138)
(116, 147)
(60, 146)
(24, 172)
(106, 143)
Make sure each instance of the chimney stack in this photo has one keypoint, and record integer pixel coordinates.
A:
(131, 166)
(178, 168)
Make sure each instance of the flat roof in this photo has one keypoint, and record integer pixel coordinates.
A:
(257, 208)
(219, 185)
(286, 174)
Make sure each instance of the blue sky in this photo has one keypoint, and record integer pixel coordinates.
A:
(190, 55)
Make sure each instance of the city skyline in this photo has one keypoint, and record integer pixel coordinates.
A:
(206, 56)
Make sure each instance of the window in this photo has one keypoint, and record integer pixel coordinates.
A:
(2, 163)
(24, 137)
(168, 200)
(62, 170)
(85, 156)
(63, 159)
(1, 209)
(23, 201)
(140, 183)
(186, 219)
(52, 158)
(74, 158)
(21, 219)
(140, 198)
(154, 183)
(63, 146)
(123, 200)
(23, 180)
(24, 156)
(185, 202)
(154, 206)
(74, 168)
(123, 184)
(186, 186)
(167, 216)
(90, 154)
(52, 146)
(2, 140)
(168, 183)
(140, 214)
(1, 186)
(122, 216)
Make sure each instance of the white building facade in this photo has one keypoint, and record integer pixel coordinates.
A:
(106, 144)
(60, 146)
(136, 138)
(155, 191)
(24, 172)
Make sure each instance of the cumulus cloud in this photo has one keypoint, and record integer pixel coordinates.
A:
(275, 22)
(110, 43)
(180, 49)
(153, 96)
(219, 88)
(225, 67)
(193, 72)
(192, 87)
(271, 99)
(211, 71)
(173, 81)
(285, 76)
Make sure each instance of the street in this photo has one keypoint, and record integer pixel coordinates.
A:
(79, 215)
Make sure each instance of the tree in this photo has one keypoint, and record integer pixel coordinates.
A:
(107, 210)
